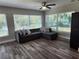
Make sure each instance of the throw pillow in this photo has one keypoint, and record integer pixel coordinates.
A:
(25, 32)
(43, 29)
(47, 29)
(28, 31)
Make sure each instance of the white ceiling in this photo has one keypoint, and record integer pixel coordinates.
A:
(30, 4)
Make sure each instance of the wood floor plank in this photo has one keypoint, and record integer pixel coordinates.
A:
(38, 49)
(47, 53)
(56, 51)
(74, 53)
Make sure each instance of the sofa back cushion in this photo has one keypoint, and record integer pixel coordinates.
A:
(35, 30)
(44, 29)
(39, 30)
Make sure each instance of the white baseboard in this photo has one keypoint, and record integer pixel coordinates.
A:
(7, 41)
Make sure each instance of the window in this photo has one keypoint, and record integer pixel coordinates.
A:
(3, 25)
(27, 22)
(60, 22)
(21, 22)
(64, 22)
(35, 21)
(51, 21)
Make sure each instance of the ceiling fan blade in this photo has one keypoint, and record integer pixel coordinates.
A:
(41, 8)
(48, 7)
(51, 5)
(44, 3)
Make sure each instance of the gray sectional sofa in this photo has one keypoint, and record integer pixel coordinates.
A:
(35, 34)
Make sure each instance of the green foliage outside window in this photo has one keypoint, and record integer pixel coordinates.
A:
(27, 21)
(3, 25)
(60, 22)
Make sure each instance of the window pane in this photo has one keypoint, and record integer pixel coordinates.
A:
(21, 22)
(51, 21)
(64, 22)
(3, 25)
(35, 21)
(27, 22)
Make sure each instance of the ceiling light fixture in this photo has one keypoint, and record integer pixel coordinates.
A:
(46, 6)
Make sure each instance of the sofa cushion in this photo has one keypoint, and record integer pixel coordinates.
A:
(35, 30)
(49, 33)
(36, 33)
(34, 36)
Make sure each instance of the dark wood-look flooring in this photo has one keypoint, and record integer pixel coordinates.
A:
(38, 49)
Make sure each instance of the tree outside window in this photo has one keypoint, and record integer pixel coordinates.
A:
(3, 25)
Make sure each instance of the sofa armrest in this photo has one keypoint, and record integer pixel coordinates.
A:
(17, 37)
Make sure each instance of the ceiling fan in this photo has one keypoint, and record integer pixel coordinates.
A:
(46, 6)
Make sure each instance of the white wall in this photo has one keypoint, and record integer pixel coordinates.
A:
(10, 22)
(65, 8)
